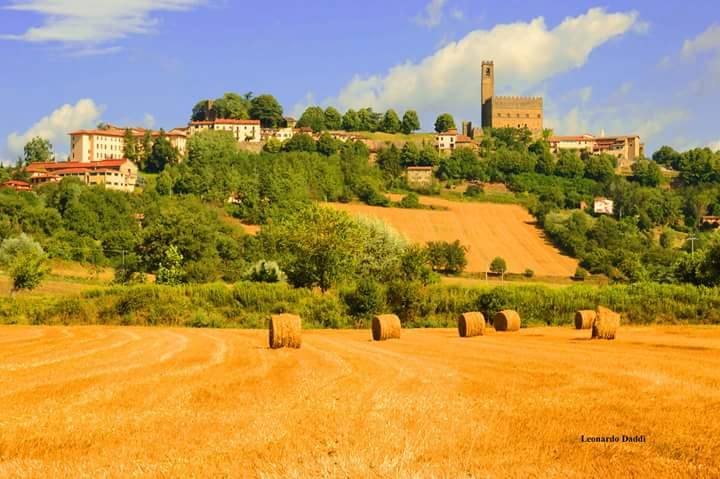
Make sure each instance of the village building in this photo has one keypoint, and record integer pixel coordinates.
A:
(509, 111)
(626, 150)
(419, 176)
(114, 174)
(109, 143)
(448, 141)
(16, 185)
(244, 131)
(603, 206)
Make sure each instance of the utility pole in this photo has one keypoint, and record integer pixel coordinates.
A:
(692, 240)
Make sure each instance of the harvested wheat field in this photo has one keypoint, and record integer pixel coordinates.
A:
(132, 402)
(488, 229)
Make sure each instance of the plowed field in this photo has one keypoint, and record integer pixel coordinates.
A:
(131, 402)
(488, 229)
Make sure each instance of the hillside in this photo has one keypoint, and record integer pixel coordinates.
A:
(488, 229)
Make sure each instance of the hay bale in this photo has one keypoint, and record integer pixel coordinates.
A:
(385, 326)
(606, 324)
(507, 320)
(471, 324)
(584, 318)
(285, 331)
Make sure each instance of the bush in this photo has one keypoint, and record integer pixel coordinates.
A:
(365, 300)
(474, 191)
(580, 274)
(411, 200)
(528, 273)
(498, 265)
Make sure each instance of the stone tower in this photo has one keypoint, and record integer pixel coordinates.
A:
(488, 91)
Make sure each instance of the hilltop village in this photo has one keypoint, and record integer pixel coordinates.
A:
(106, 155)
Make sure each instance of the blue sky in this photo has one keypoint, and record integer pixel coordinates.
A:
(645, 67)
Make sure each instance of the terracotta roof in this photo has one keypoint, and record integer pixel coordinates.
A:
(419, 168)
(16, 183)
(572, 138)
(64, 165)
(226, 121)
(463, 139)
(120, 132)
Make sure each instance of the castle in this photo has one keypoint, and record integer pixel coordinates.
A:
(508, 111)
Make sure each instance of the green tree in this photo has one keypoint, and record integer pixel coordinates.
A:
(162, 155)
(498, 265)
(351, 121)
(318, 246)
(300, 142)
(667, 156)
(444, 122)
(389, 161)
(232, 106)
(599, 167)
(410, 154)
(200, 111)
(171, 271)
(313, 117)
(569, 165)
(390, 122)
(410, 122)
(449, 258)
(333, 119)
(327, 145)
(38, 150)
(146, 149)
(130, 147)
(268, 110)
(273, 145)
(24, 261)
(369, 120)
(647, 173)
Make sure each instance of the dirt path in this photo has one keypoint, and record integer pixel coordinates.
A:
(157, 402)
(488, 229)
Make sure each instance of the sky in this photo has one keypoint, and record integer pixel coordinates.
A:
(644, 67)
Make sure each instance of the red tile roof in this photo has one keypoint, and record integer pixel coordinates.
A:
(15, 183)
(419, 168)
(463, 139)
(65, 165)
(226, 121)
(71, 171)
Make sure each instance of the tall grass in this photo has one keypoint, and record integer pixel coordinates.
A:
(248, 305)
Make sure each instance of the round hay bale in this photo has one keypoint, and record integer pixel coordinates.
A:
(471, 324)
(507, 320)
(285, 331)
(606, 324)
(584, 318)
(385, 326)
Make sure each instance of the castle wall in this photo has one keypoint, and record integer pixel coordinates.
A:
(518, 112)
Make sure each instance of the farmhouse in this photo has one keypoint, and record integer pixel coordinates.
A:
(603, 206)
(109, 143)
(115, 174)
(419, 176)
(16, 185)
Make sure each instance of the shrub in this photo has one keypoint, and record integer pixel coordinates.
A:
(528, 273)
(498, 265)
(411, 200)
(474, 191)
(580, 274)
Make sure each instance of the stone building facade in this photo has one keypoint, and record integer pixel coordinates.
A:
(508, 111)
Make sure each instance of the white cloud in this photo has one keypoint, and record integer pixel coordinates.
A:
(432, 14)
(55, 127)
(457, 14)
(149, 121)
(525, 54)
(714, 146)
(92, 21)
(709, 40)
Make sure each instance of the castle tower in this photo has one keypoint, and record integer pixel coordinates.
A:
(488, 91)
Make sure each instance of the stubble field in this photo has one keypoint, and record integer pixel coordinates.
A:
(487, 229)
(153, 402)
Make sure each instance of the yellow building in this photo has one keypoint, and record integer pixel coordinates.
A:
(626, 149)
(109, 143)
(242, 130)
(117, 174)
